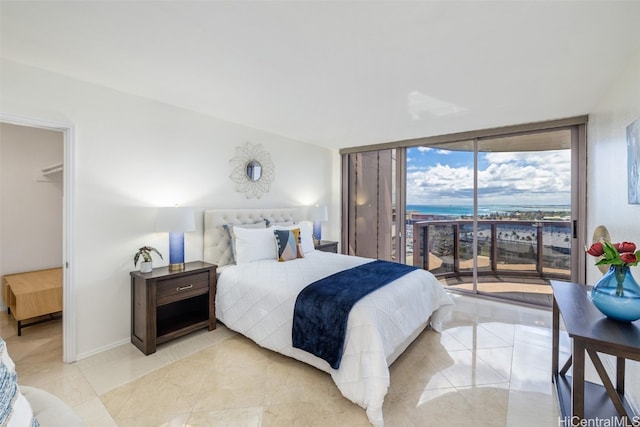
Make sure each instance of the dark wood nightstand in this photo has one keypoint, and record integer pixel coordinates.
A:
(327, 246)
(168, 304)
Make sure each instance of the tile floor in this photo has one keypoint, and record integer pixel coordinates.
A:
(491, 366)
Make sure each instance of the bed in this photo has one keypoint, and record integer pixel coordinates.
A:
(256, 296)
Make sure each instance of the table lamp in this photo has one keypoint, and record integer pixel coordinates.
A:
(317, 214)
(176, 221)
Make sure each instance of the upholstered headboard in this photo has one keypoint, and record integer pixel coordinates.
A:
(217, 244)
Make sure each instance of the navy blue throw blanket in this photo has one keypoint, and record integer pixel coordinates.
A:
(322, 308)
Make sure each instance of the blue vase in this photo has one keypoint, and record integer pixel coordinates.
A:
(617, 295)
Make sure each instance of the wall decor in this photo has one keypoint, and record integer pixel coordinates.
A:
(633, 162)
(252, 170)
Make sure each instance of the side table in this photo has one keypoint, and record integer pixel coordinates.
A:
(169, 304)
(593, 333)
(32, 294)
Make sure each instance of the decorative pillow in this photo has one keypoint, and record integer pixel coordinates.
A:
(230, 227)
(253, 244)
(15, 409)
(306, 235)
(288, 244)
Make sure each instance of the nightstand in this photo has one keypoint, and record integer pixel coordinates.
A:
(169, 304)
(327, 246)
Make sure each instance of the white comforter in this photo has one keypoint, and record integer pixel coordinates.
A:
(257, 300)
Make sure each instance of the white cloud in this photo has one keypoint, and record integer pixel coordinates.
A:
(542, 177)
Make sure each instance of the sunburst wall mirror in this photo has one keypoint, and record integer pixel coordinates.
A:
(252, 170)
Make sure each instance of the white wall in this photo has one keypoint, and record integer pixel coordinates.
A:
(607, 177)
(30, 205)
(133, 155)
(607, 202)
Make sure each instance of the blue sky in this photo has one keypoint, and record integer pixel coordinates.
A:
(442, 177)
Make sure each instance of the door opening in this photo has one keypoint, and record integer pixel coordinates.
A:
(495, 215)
(69, 351)
(480, 209)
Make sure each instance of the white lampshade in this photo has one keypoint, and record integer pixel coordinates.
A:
(318, 213)
(175, 219)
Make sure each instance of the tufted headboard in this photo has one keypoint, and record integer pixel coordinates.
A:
(217, 244)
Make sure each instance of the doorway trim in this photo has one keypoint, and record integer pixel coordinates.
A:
(69, 332)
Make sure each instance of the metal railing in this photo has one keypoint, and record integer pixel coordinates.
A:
(538, 248)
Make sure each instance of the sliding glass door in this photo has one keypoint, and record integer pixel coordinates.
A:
(494, 215)
(499, 211)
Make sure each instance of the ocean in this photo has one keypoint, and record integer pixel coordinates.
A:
(459, 210)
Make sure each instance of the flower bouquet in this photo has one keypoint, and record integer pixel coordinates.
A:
(616, 294)
(623, 254)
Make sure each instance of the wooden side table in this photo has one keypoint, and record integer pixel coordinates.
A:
(169, 304)
(592, 332)
(32, 294)
(327, 246)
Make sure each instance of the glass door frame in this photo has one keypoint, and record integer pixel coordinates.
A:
(577, 125)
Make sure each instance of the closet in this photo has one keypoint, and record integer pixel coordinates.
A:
(31, 198)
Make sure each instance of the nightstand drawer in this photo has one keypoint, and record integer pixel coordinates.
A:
(178, 288)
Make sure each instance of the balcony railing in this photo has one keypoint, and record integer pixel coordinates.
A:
(533, 248)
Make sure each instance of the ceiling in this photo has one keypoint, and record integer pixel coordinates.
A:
(336, 73)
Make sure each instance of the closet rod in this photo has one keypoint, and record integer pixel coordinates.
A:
(57, 167)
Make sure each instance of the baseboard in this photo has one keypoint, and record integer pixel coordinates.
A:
(101, 349)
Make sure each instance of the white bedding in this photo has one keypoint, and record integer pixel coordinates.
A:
(257, 300)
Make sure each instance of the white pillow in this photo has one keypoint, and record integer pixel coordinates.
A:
(306, 234)
(229, 228)
(254, 244)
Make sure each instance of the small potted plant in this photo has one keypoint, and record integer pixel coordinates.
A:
(145, 253)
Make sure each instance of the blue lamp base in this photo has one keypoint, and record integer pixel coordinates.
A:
(317, 230)
(176, 251)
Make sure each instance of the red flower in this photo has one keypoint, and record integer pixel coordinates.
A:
(623, 254)
(625, 247)
(629, 257)
(596, 249)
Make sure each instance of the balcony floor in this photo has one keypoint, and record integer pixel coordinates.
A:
(528, 290)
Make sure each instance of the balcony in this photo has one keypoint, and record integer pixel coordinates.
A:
(515, 259)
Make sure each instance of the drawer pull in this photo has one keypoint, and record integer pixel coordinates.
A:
(184, 288)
